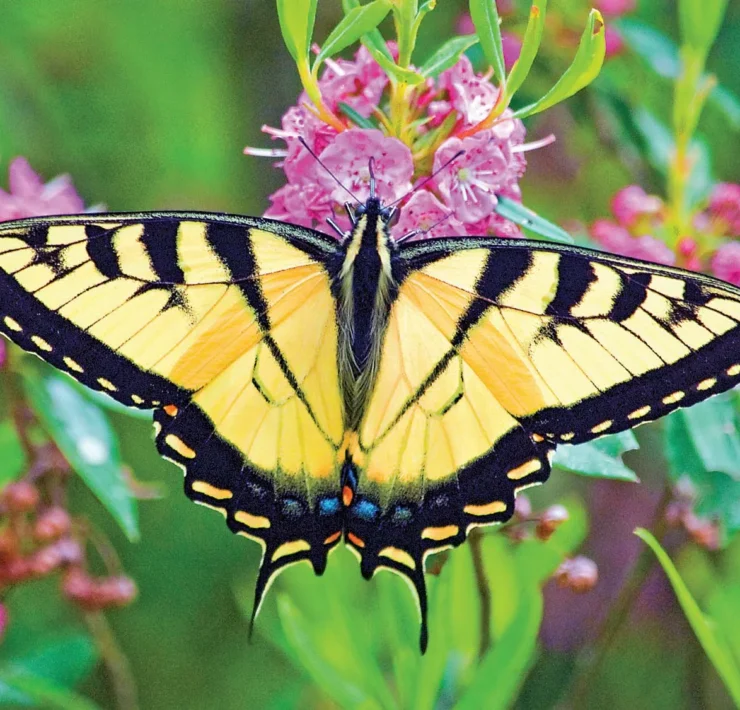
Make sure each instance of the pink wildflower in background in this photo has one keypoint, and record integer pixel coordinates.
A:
(641, 229)
(29, 196)
(442, 115)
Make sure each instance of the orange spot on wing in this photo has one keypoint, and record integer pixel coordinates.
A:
(355, 540)
(333, 538)
(347, 496)
(170, 409)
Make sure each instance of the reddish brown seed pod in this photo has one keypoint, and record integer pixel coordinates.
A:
(116, 591)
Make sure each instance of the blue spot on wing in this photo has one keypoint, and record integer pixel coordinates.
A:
(365, 509)
(329, 506)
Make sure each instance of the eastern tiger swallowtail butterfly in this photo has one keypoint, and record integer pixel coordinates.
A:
(388, 396)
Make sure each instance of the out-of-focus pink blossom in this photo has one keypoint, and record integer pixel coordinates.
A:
(615, 8)
(28, 196)
(724, 208)
(512, 46)
(726, 262)
(617, 239)
(614, 44)
(632, 203)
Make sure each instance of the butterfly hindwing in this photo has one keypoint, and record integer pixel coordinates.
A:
(226, 327)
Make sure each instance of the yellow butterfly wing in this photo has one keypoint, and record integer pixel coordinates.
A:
(226, 327)
(498, 350)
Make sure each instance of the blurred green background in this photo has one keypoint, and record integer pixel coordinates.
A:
(148, 106)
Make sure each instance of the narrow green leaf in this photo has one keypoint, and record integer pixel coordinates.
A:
(106, 402)
(357, 22)
(356, 118)
(391, 68)
(45, 694)
(373, 40)
(713, 646)
(699, 21)
(530, 47)
(584, 69)
(447, 55)
(658, 143)
(484, 14)
(528, 219)
(297, 18)
(503, 669)
(12, 455)
(601, 458)
(83, 434)
(333, 683)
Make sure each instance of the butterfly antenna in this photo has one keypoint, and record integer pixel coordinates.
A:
(427, 179)
(323, 165)
(416, 232)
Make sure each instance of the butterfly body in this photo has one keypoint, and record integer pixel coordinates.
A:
(388, 396)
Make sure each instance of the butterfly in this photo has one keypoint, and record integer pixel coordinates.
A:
(390, 396)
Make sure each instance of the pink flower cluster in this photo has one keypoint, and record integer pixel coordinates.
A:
(28, 196)
(458, 200)
(640, 230)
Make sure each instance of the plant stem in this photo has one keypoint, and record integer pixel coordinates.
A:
(591, 658)
(119, 668)
(484, 591)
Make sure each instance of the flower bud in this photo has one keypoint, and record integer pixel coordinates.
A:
(77, 586)
(579, 574)
(522, 507)
(550, 521)
(51, 524)
(20, 497)
(116, 591)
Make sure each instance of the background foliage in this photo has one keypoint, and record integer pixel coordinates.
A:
(148, 106)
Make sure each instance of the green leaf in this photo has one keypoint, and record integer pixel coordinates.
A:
(83, 434)
(700, 21)
(112, 405)
(503, 669)
(447, 55)
(658, 143)
(484, 14)
(584, 69)
(392, 69)
(716, 650)
(356, 118)
(373, 40)
(713, 429)
(42, 693)
(56, 663)
(336, 685)
(12, 455)
(530, 47)
(297, 18)
(528, 219)
(357, 22)
(601, 458)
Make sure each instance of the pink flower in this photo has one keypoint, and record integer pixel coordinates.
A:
(726, 263)
(724, 207)
(459, 200)
(512, 46)
(424, 212)
(614, 8)
(471, 95)
(632, 203)
(614, 42)
(359, 83)
(348, 158)
(618, 240)
(28, 196)
(470, 184)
